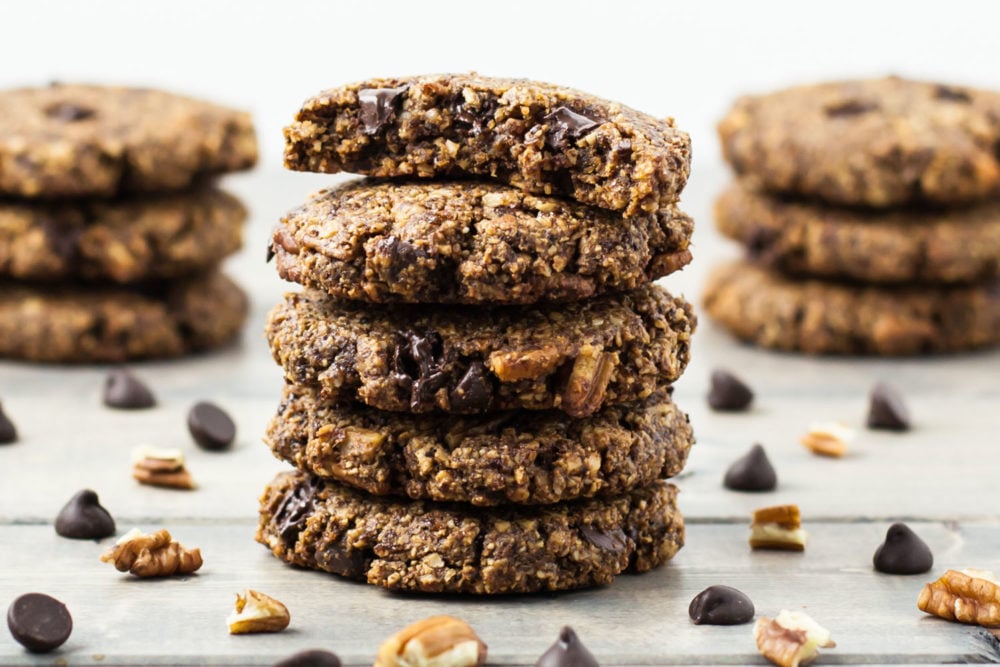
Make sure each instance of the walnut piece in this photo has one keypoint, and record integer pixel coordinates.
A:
(438, 641)
(791, 638)
(257, 612)
(827, 439)
(777, 527)
(966, 596)
(161, 467)
(152, 555)
(588, 381)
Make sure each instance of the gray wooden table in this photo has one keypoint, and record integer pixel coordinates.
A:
(942, 478)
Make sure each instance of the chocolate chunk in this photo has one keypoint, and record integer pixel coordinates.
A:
(294, 511)
(62, 235)
(760, 242)
(399, 255)
(567, 652)
(344, 560)
(903, 552)
(417, 366)
(8, 432)
(849, 108)
(564, 123)
(83, 518)
(476, 120)
(270, 251)
(68, 112)
(125, 391)
(378, 106)
(751, 472)
(473, 392)
(311, 658)
(721, 605)
(952, 94)
(39, 622)
(614, 540)
(210, 426)
(886, 409)
(728, 393)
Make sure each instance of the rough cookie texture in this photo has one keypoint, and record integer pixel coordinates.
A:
(471, 242)
(882, 142)
(124, 241)
(831, 318)
(452, 548)
(538, 137)
(954, 245)
(86, 140)
(112, 324)
(575, 357)
(527, 457)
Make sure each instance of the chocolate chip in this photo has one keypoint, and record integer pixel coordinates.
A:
(342, 559)
(728, 393)
(417, 368)
(210, 426)
(270, 252)
(311, 658)
(614, 540)
(952, 94)
(567, 652)
(125, 391)
(83, 518)
(399, 255)
(886, 409)
(39, 622)
(903, 552)
(473, 392)
(68, 112)
(751, 472)
(476, 120)
(293, 512)
(8, 432)
(62, 235)
(378, 106)
(721, 605)
(760, 242)
(849, 108)
(564, 123)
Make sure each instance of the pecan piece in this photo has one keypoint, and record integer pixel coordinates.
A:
(438, 641)
(827, 439)
(257, 612)
(152, 555)
(161, 467)
(791, 638)
(588, 381)
(966, 596)
(777, 527)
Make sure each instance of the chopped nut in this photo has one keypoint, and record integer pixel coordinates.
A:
(828, 439)
(256, 612)
(161, 467)
(777, 527)
(791, 638)
(152, 555)
(588, 381)
(438, 641)
(524, 364)
(966, 596)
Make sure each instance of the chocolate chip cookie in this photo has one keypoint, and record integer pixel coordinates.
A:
(575, 357)
(471, 242)
(119, 240)
(538, 137)
(454, 548)
(87, 140)
(86, 324)
(516, 456)
(833, 318)
(882, 142)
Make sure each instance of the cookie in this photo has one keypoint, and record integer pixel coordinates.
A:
(881, 142)
(453, 548)
(471, 242)
(576, 357)
(834, 318)
(119, 240)
(87, 140)
(954, 245)
(538, 137)
(87, 324)
(517, 456)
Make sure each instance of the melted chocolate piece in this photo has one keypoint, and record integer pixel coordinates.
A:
(565, 124)
(473, 392)
(270, 252)
(294, 511)
(39, 622)
(886, 409)
(417, 366)
(567, 652)
(728, 393)
(210, 426)
(850, 108)
(8, 432)
(62, 236)
(751, 472)
(721, 605)
(476, 120)
(125, 391)
(378, 107)
(83, 518)
(311, 658)
(614, 540)
(903, 552)
(68, 112)
(952, 94)
(399, 253)
(344, 560)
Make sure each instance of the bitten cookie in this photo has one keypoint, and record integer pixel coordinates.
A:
(830, 318)
(882, 142)
(576, 357)
(452, 548)
(119, 240)
(471, 242)
(525, 457)
(80, 324)
(538, 137)
(86, 140)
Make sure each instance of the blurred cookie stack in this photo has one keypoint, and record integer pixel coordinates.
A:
(870, 213)
(110, 229)
(478, 370)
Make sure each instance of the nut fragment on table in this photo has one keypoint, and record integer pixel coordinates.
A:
(777, 527)
(791, 638)
(966, 596)
(827, 439)
(438, 641)
(161, 467)
(152, 555)
(257, 612)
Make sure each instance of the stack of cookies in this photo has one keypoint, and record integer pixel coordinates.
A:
(870, 212)
(110, 233)
(478, 371)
